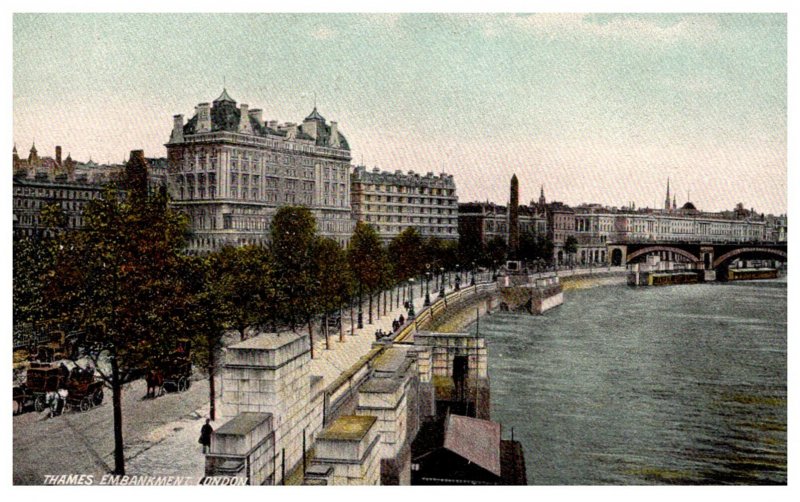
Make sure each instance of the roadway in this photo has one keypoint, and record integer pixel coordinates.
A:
(83, 443)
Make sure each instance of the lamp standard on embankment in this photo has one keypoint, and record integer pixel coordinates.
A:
(427, 289)
(411, 313)
(360, 312)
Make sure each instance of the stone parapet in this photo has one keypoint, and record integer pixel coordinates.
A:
(244, 446)
(350, 446)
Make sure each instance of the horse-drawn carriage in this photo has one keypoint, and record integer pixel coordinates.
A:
(174, 374)
(43, 382)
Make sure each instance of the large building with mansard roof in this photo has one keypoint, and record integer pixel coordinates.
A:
(230, 170)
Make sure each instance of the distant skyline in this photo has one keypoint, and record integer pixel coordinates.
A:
(597, 108)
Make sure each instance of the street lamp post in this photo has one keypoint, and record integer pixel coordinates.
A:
(427, 289)
(411, 313)
(360, 312)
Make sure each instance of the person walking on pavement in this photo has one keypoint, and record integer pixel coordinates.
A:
(205, 436)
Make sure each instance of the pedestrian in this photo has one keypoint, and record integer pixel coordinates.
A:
(205, 436)
(402, 320)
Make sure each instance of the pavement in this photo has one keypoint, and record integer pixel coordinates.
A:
(173, 448)
(83, 442)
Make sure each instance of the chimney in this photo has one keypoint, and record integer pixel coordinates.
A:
(256, 114)
(177, 129)
(335, 141)
(58, 155)
(203, 117)
(244, 120)
(273, 124)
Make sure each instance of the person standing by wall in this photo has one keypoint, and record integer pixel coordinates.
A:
(205, 436)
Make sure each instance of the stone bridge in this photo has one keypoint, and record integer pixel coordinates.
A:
(698, 256)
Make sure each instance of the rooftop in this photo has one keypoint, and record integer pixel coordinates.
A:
(348, 428)
(226, 116)
(243, 423)
(224, 97)
(381, 385)
(266, 341)
(392, 360)
(475, 440)
(315, 115)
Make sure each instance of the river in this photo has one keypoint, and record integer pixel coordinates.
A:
(677, 384)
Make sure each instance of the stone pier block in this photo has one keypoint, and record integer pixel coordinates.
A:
(350, 446)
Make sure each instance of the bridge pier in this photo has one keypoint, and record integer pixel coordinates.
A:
(618, 254)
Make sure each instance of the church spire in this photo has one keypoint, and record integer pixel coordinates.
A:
(667, 202)
(33, 156)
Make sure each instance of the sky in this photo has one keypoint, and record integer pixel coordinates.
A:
(593, 107)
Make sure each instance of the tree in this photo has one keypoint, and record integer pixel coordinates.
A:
(471, 249)
(535, 248)
(34, 262)
(31, 258)
(335, 279)
(368, 262)
(446, 254)
(53, 217)
(205, 319)
(571, 246)
(546, 247)
(405, 252)
(293, 238)
(496, 251)
(242, 279)
(528, 246)
(120, 280)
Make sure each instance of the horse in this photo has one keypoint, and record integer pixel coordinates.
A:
(19, 399)
(154, 378)
(54, 402)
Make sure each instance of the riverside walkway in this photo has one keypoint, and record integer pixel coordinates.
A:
(176, 451)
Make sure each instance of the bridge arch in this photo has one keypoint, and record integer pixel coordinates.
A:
(656, 249)
(759, 251)
(616, 257)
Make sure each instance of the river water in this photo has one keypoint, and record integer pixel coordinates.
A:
(676, 384)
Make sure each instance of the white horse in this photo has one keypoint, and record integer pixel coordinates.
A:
(56, 401)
